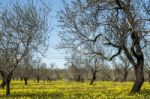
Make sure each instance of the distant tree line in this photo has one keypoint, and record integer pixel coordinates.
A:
(38, 71)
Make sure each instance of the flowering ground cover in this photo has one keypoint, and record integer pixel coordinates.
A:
(74, 90)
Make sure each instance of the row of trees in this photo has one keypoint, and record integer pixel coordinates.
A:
(91, 71)
(37, 71)
(119, 69)
(86, 70)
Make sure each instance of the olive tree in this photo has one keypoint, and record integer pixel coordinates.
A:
(114, 25)
(23, 29)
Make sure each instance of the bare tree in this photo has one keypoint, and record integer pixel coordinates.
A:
(126, 67)
(94, 65)
(40, 70)
(116, 25)
(53, 72)
(26, 68)
(37, 67)
(106, 73)
(23, 29)
(75, 66)
(122, 67)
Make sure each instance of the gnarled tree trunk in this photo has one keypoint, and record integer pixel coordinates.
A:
(125, 76)
(139, 75)
(6, 80)
(26, 81)
(21, 78)
(38, 79)
(149, 78)
(93, 78)
(7, 87)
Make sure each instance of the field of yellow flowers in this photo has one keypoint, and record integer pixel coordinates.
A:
(74, 90)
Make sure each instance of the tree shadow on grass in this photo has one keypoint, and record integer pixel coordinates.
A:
(145, 93)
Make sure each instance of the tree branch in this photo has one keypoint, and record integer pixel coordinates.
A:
(112, 44)
(119, 51)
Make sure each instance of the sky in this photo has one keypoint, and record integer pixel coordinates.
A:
(52, 55)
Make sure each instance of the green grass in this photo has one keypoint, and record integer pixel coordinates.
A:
(74, 90)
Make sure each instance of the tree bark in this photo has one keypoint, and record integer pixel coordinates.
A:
(139, 76)
(125, 76)
(25, 81)
(38, 79)
(6, 81)
(93, 78)
(7, 87)
(149, 78)
(21, 78)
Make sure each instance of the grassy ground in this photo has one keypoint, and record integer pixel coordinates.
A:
(74, 90)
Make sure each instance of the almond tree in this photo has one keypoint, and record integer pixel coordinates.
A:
(122, 67)
(40, 70)
(26, 68)
(114, 26)
(76, 66)
(23, 29)
(94, 64)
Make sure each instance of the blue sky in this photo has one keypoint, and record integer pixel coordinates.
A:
(52, 55)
